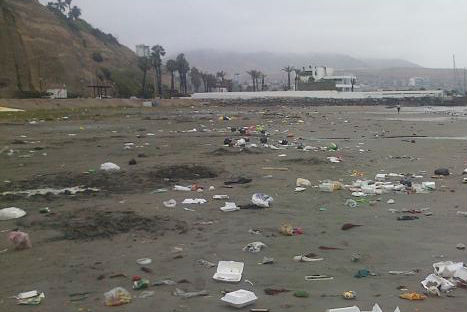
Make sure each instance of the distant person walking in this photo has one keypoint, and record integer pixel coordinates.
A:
(398, 108)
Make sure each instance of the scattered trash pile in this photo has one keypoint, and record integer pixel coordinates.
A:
(382, 184)
(265, 141)
(447, 276)
(258, 200)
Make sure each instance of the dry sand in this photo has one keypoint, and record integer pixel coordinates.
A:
(78, 247)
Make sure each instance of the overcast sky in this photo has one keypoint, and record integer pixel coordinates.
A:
(427, 32)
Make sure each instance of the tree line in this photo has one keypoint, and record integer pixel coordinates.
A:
(65, 8)
(154, 63)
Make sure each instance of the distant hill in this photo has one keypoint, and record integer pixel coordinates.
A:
(271, 63)
(40, 49)
(373, 73)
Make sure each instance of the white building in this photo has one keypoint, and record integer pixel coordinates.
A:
(344, 83)
(419, 82)
(142, 50)
(57, 93)
(317, 78)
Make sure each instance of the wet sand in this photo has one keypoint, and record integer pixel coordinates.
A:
(57, 151)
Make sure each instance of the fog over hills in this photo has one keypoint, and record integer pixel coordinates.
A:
(271, 63)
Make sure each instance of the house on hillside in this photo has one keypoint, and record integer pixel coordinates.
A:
(61, 93)
(321, 78)
(142, 50)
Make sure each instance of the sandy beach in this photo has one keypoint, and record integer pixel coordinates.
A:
(89, 242)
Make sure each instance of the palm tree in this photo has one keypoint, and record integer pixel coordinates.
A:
(196, 79)
(353, 81)
(254, 74)
(183, 68)
(297, 77)
(288, 69)
(74, 13)
(204, 77)
(251, 73)
(172, 66)
(211, 81)
(262, 76)
(157, 52)
(221, 75)
(143, 64)
(257, 77)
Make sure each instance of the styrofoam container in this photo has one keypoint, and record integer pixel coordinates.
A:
(429, 185)
(229, 207)
(28, 294)
(380, 177)
(240, 298)
(447, 268)
(368, 189)
(229, 271)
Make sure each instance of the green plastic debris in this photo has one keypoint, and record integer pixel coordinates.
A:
(141, 284)
(332, 147)
(362, 273)
(301, 294)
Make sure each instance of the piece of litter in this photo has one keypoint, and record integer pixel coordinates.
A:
(170, 203)
(229, 207)
(198, 201)
(11, 213)
(229, 271)
(186, 295)
(144, 261)
(254, 247)
(261, 200)
(240, 298)
(220, 197)
(109, 167)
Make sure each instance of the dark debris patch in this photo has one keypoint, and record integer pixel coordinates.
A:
(85, 225)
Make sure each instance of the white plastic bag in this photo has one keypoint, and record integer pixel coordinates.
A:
(11, 213)
(261, 200)
(170, 203)
(254, 247)
(109, 167)
(117, 296)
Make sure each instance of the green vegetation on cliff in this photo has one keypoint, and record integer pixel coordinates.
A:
(47, 47)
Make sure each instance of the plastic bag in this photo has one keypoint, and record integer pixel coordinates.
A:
(254, 247)
(109, 167)
(261, 200)
(11, 213)
(170, 203)
(20, 240)
(303, 182)
(117, 296)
